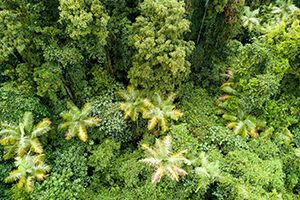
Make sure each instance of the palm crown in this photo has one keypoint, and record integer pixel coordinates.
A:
(162, 110)
(19, 139)
(134, 103)
(163, 160)
(77, 120)
(29, 169)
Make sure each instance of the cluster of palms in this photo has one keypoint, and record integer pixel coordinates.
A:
(157, 112)
(22, 141)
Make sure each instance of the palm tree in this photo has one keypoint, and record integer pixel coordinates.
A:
(249, 18)
(19, 139)
(77, 121)
(29, 169)
(164, 161)
(243, 124)
(209, 173)
(162, 110)
(134, 103)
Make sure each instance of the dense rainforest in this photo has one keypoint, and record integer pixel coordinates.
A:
(149, 99)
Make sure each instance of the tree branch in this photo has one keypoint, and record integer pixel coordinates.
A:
(67, 88)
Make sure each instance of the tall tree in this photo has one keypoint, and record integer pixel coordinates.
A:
(160, 60)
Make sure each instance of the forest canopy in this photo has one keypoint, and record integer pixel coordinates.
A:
(149, 99)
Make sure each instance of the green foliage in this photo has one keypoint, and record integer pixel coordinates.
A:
(197, 106)
(214, 25)
(13, 105)
(160, 60)
(105, 106)
(69, 174)
(77, 121)
(5, 168)
(103, 155)
(249, 18)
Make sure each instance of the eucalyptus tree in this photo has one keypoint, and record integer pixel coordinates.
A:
(161, 111)
(24, 137)
(29, 169)
(77, 120)
(164, 161)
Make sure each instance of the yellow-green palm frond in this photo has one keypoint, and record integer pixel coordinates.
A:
(149, 150)
(152, 123)
(41, 128)
(27, 121)
(86, 110)
(29, 184)
(36, 146)
(82, 133)
(63, 125)
(156, 176)
(13, 176)
(72, 107)
(163, 124)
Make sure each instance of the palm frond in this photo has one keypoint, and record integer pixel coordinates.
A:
(27, 121)
(86, 110)
(172, 173)
(72, 107)
(13, 176)
(156, 176)
(149, 150)
(167, 143)
(92, 121)
(152, 123)
(36, 146)
(63, 125)
(21, 182)
(41, 128)
(82, 133)
(9, 132)
(163, 124)
(9, 151)
(151, 161)
(171, 97)
(29, 184)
